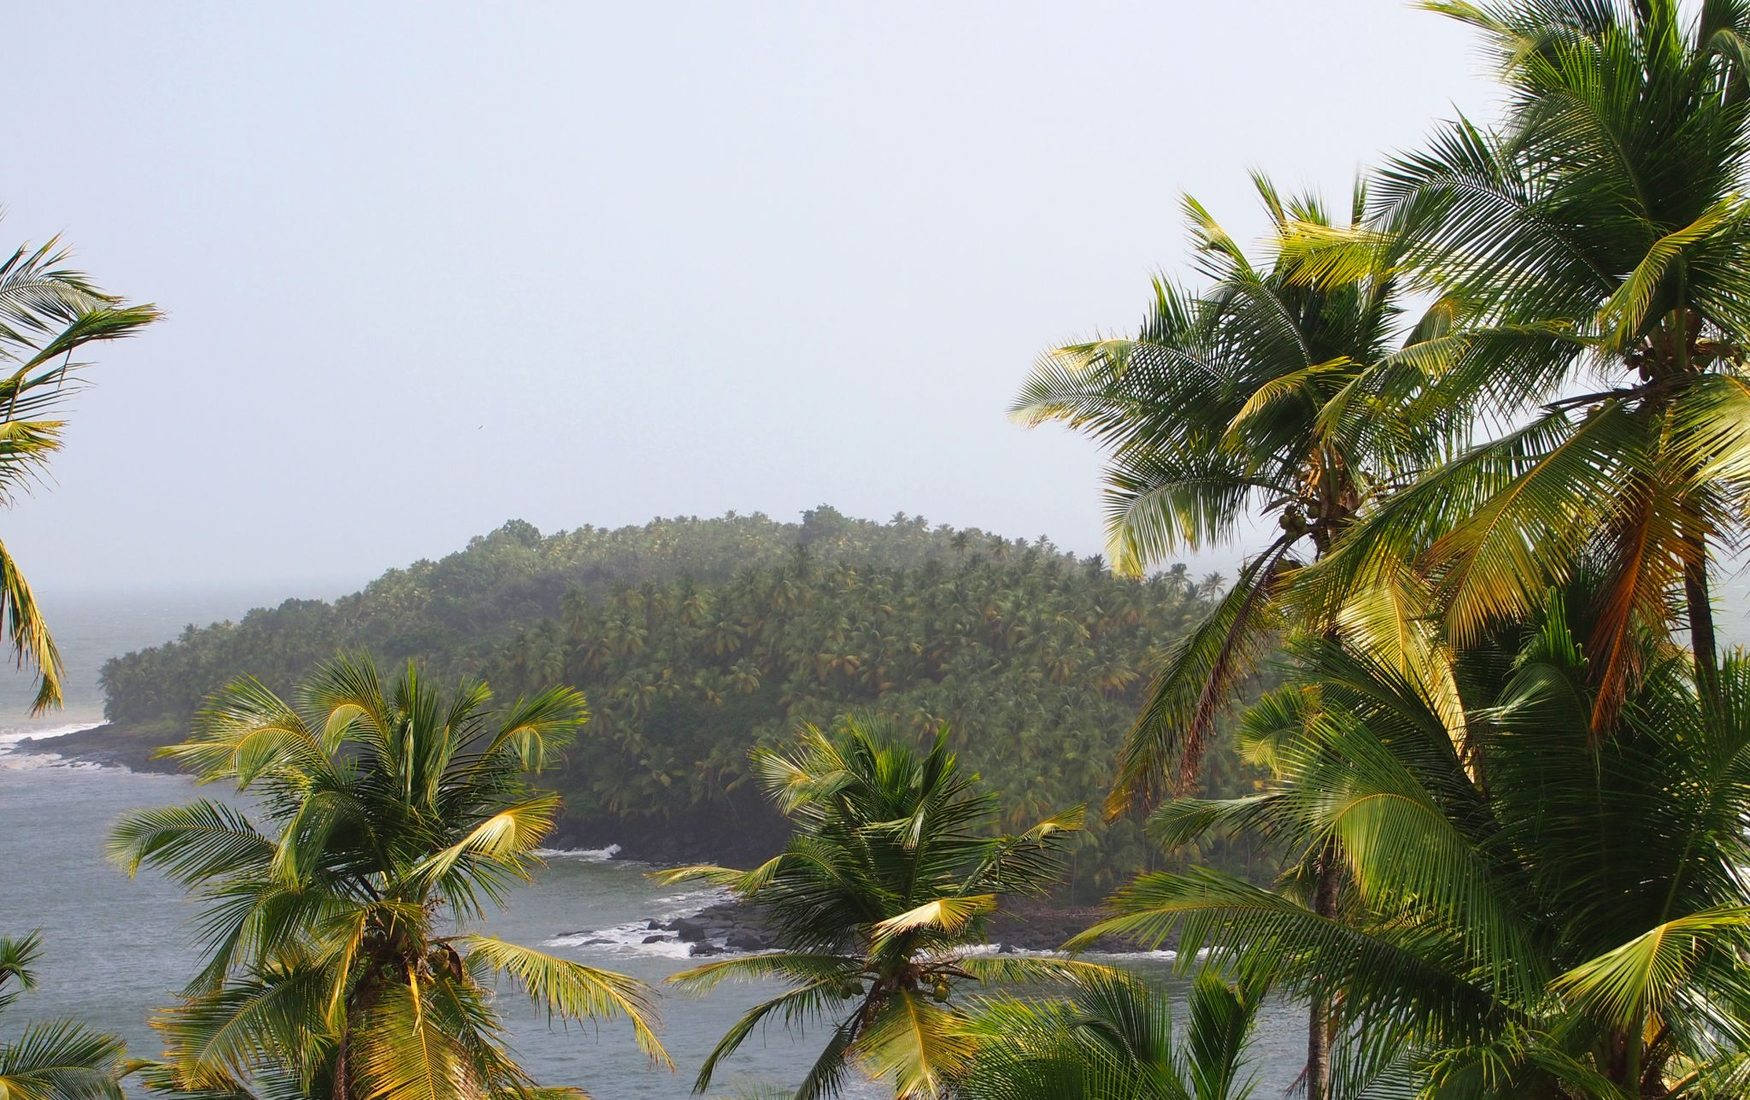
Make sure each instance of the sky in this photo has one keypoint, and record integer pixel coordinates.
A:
(428, 267)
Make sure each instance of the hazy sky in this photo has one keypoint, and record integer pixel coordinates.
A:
(429, 267)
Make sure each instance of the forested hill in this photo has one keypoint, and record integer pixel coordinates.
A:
(693, 639)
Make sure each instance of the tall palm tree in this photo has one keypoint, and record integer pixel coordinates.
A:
(48, 312)
(1114, 1040)
(1269, 394)
(887, 880)
(1553, 914)
(1599, 241)
(1272, 393)
(338, 962)
(53, 1059)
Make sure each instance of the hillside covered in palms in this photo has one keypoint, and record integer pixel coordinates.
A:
(694, 640)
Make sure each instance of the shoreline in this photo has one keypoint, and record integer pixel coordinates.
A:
(1029, 925)
(102, 744)
(727, 927)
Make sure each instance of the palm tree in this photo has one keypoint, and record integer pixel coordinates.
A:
(887, 881)
(1554, 913)
(1271, 393)
(337, 958)
(53, 1059)
(1599, 240)
(1114, 1040)
(47, 313)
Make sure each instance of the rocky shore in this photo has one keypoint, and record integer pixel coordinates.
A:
(107, 744)
(1022, 925)
(748, 837)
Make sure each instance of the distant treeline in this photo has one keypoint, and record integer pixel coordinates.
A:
(696, 639)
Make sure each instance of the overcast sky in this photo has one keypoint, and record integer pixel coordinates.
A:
(429, 267)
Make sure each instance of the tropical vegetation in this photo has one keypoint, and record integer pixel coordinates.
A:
(1534, 909)
(1485, 808)
(338, 958)
(48, 314)
(1034, 658)
(1114, 1039)
(51, 1059)
(882, 890)
(1584, 261)
(1596, 240)
(1266, 393)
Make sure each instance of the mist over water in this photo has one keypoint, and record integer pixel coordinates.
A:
(92, 627)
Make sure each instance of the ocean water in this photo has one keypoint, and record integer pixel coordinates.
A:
(115, 948)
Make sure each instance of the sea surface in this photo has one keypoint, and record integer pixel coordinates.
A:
(115, 948)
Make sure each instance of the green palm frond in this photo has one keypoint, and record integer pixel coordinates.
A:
(190, 843)
(915, 1044)
(572, 991)
(51, 1059)
(61, 1060)
(892, 867)
(810, 1000)
(400, 1052)
(948, 914)
(790, 965)
(1650, 971)
(1200, 675)
(48, 312)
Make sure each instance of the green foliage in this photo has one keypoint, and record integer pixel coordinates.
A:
(52, 1059)
(334, 963)
(885, 884)
(1114, 1039)
(1530, 909)
(1265, 392)
(697, 641)
(1597, 239)
(48, 312)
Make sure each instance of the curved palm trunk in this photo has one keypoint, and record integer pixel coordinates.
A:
(1686, 324)
(1701, 620)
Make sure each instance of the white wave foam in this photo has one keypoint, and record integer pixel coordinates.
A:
(588, 855)
(1164, 955)
(638, 938)
(33, 761)
(12, 735)
(689, 903)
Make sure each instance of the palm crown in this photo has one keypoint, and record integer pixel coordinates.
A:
(886, 883)
(1597, 242)
(1271, 391)
(337, 961)
(52, 1059)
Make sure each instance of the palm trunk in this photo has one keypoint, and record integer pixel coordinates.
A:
(1687, 323)
(1328, 868)
(341, 1091)
(1701, 623)
(1318, 1029)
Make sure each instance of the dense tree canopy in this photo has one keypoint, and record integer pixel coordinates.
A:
(697, 640)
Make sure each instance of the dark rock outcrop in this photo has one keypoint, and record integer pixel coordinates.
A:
(1021, 925)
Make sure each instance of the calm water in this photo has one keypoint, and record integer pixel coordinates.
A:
(114, 948)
